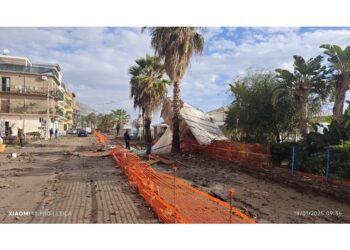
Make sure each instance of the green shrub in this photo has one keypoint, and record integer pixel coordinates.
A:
(310, 160)
(35, 134)
(281, 152)
(10, 139)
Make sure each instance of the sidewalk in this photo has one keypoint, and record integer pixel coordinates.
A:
(46, 183)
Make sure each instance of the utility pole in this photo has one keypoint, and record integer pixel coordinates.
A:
(48, 113)
(25, 105)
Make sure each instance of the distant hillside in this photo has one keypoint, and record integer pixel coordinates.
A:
(85, 109)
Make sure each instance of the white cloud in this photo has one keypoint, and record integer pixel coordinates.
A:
(259, 48)
(95, 61)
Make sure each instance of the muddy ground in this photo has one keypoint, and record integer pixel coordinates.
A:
(266, 197)
(261, 194)
(48, 183)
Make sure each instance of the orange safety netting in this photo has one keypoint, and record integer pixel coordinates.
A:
(244, 154)
(100, 137)
(173, 200)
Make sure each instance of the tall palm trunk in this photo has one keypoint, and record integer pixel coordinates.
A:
(277, 134)
(143, 123)
(118, 128)
(148, 121)
(176, 118)
(340, 89)
(302, 110)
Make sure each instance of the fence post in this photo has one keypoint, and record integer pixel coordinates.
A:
(174, 171)
(327, 163)
(125, 156)
(293, 157)
(231, 193)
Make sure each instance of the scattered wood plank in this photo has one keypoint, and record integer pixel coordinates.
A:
(165, 161)
(161, 159)
(94, 154)
(153, 161)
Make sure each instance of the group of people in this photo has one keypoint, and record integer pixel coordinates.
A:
(148, 141)
(52, 132)
(21, 135)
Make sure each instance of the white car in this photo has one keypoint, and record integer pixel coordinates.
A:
(72, 131)
(88, 130)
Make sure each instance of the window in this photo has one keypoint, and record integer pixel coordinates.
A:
(5, 106)
(5, 84)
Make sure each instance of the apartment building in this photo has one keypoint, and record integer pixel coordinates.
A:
(76, 114)
(65, 110)
(30, 95)
(219, 116)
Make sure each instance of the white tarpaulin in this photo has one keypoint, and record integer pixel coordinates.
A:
(193, 123)
(163, 145)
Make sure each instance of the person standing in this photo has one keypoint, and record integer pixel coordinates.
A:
(127, 140)
(56, 133)
(21, 137)
(51, 133)
(148, 143)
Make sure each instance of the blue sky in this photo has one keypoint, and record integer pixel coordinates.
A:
(95, 61)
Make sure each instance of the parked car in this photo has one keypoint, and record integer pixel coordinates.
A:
(82, 133)
(72, 131)
(88, 130)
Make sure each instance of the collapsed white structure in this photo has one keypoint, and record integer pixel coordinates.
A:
(194, 123)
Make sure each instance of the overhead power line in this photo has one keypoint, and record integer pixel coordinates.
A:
(110, 102)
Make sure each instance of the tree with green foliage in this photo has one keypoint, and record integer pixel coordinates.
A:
(91, 119)
(148, 86)
(176, 45)
(253, 114)
(333, 134)
(136, 124)
(121, 117)
(307, 80)
(106, 121)
(340, 67)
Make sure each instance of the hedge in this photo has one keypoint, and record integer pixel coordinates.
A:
(307, 160)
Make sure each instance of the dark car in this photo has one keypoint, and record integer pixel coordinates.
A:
(82, 132)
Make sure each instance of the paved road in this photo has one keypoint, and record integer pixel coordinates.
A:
(49, 184)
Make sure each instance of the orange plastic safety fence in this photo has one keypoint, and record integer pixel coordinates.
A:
(173, 200)
(100, 137)
(240, 153)
(249, 155)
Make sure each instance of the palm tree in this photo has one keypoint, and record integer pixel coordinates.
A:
(148, 87)
(91, 119)
(340, 65)
(176, 45)
(240, 91)
(106, 121)
(307, 79)
(121, 118)
(99, 117)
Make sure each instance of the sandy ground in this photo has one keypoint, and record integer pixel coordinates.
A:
(46, 183)
(259, 194)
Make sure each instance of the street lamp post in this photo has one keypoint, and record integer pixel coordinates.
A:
(25, 105)
(48, 112)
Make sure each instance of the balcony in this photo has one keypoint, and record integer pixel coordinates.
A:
(33, 69)
(60, 112)
(29, 110)
(31, 90)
